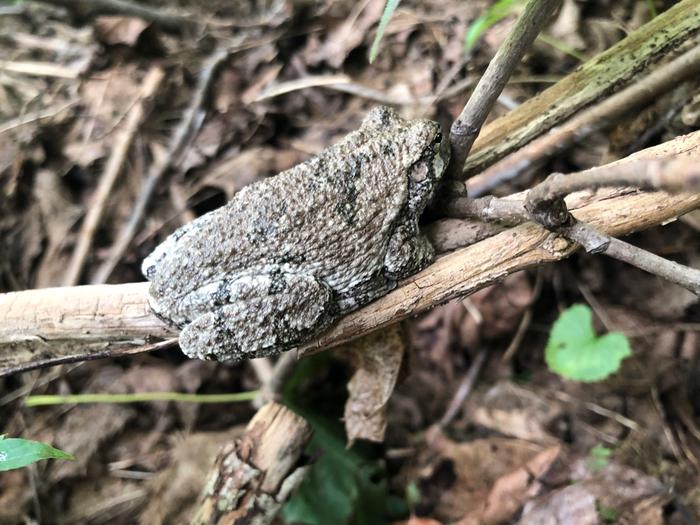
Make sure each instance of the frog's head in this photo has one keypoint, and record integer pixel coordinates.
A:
(425, 159)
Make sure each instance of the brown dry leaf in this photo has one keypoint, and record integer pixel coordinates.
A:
(515, 411)
(378, 357)
(236, 169)
(501, 307)
(567, 25)
(119, 29)
(460, 476)
(15, 494)
(510, 492)
(102, 500)
(344, 38)
(572, 504)
(623, 490)
(106, 99)
(58, 216)
(175, 489)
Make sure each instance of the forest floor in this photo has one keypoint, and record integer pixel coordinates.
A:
(524, 445)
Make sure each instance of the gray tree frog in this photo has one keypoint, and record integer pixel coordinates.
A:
(289, 255)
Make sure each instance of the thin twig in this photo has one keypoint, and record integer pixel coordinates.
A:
(672, 174)
(180, 138)
(465, 388)
(588, 122)
(467, 126)
(113, 168)
(688, 278)
(545, 204)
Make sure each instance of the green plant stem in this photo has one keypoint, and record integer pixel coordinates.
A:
(35, 401)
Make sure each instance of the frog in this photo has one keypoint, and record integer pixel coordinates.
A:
(291, 254)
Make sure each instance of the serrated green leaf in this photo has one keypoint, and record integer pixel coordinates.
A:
(389, 9)
(574, 351)
(17, 453)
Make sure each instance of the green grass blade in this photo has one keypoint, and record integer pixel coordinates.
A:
(389, 9)
(492, 16)
(35, 401)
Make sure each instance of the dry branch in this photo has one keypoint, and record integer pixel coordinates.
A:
(255, 475)
(590, 82)
(39, 319)
(113, 168)
(467, 125)
(589, 121)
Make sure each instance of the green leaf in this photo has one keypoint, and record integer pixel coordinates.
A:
(600, 457)
(17, 453)
(574, 351)
(389, 9)
(341, 487)
(607, 514)
(492, 16)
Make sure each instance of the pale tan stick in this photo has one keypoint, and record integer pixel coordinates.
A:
(255, 475)
(120, 312)
(113, 168)
(179, 140)
(588, 83)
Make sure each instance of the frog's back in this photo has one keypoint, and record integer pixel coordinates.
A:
(330, 217)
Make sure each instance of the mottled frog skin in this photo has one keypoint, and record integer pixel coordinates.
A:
(291, 254)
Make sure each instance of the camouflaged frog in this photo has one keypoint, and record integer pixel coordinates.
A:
(291, 254)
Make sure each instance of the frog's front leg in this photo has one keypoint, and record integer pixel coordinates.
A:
(258, 315)
(408, 252)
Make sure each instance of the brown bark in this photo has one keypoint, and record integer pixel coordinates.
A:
(253, 476)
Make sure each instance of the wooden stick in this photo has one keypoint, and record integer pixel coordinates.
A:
(593, 80)
(255, 475)
(34, 321)
(113, 168)
(467, 125)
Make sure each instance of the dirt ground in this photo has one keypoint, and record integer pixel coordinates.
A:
(525, 446)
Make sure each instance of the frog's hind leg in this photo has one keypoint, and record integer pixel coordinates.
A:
(259, 315)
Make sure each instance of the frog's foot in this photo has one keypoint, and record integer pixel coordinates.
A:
(409, 252)
(263, 315)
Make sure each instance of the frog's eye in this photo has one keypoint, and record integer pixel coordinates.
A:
(438, 137)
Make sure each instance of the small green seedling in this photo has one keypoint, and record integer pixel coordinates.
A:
(17, 453)
(607, 514)
(575, 352)
(599, 457)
